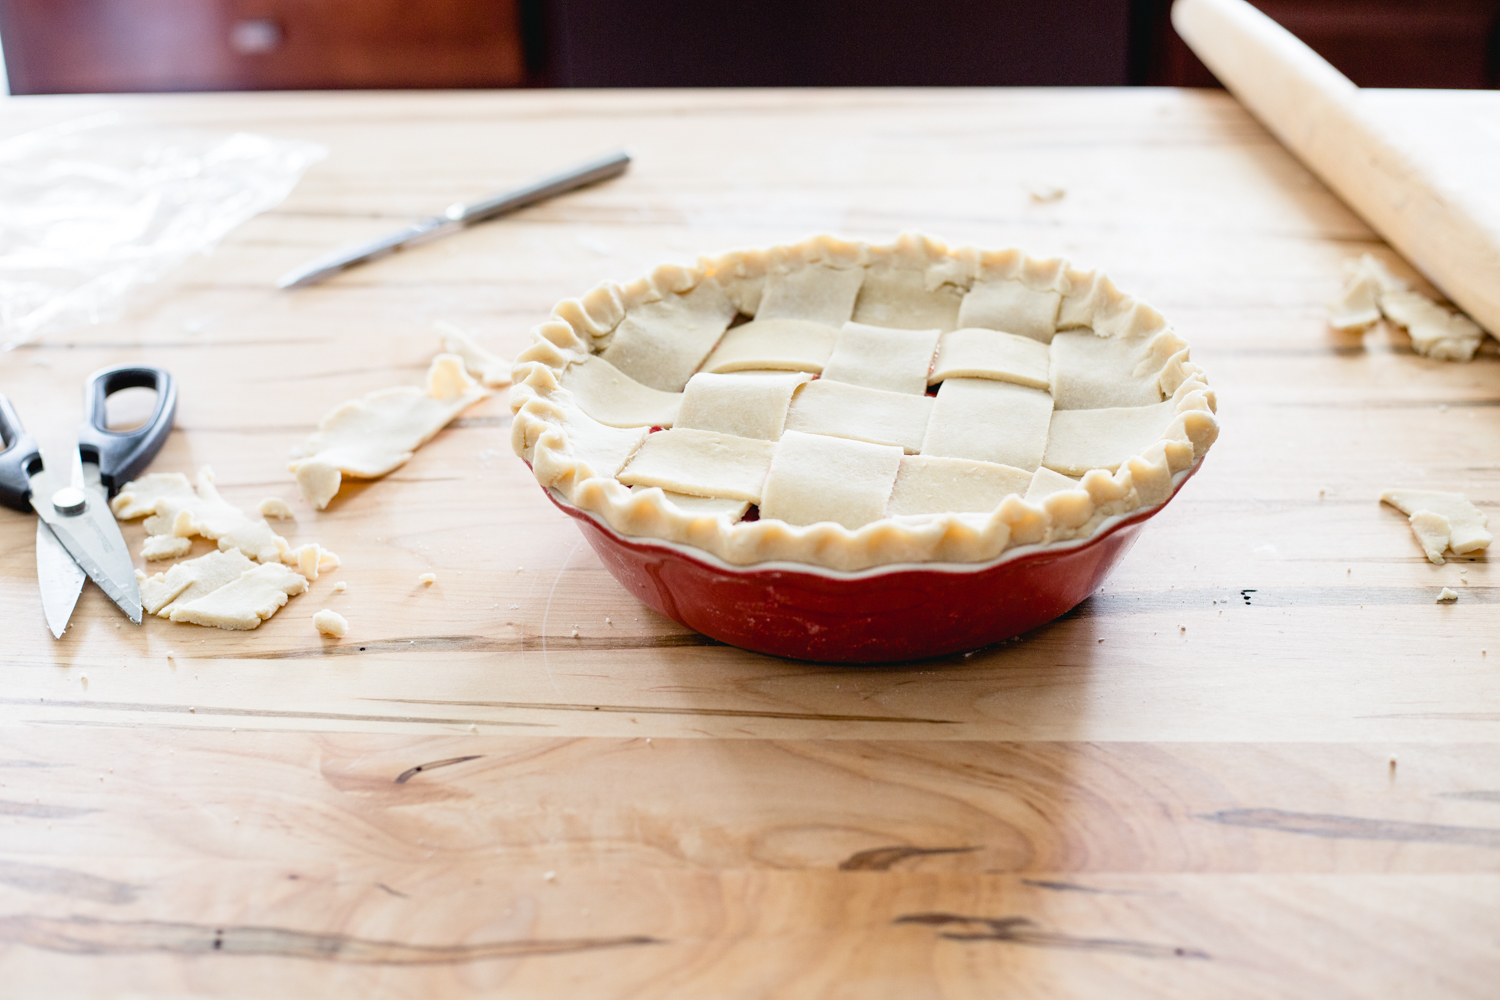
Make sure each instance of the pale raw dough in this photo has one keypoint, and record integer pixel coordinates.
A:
(371, 436)
(990, 421)
(274, 507)
(708, 506)
(896, 360)
(310, 560)
(1358, 304)
(331, 623)
(744, 292)
(899, 297)
(991, 406)
(1007, 357)
(1465, 524)
(929, 485)
(245, 602)
(1045, 482)
(1089, 372)
(1372, 291)
(139, 497)
(752, 406)
(177, 510)
(842, 410)
(1447, 594)
(797, 345)
(190, 580)
(1435, 332)
(158, 547)
(815, 478)
(661, 344)
(614, 398)
(1433, 532)
(1012, 306)
(340, 587)
(598, 449)
(817, 292)
(427, 579)
(1081, 440)
(489, 368)
(701, 463)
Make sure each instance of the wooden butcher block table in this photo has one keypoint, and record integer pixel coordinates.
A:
(1261, 762)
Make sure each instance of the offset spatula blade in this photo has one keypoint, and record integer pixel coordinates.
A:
(61, 579)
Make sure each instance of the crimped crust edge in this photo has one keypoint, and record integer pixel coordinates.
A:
(581, 326)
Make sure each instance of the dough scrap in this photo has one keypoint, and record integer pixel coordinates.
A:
(1433, 531)
(882, 357)
(614, 398)
(371, 436)
(1358, 304)
(274, 507)
(990, 421)
(797, 345)
(192, 579)
(839, 409)
(1372, 291)
(331, 623)
(1089, 372)
(817, 292)
(899, 297)
(751, 406)
(977, 353)
(310, 560)
(139, 497)
(661, 344)
(1080, 440)
(1442, 521)
(175, 509)
(930, 485)
(1012, 306)
(1435, 332)
(1447, 594)
(427, 579)
(701, 463)
(159, 547)
(244, 602)
(489, 368)
(815, 478)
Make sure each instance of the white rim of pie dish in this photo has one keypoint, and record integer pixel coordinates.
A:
(544, 410)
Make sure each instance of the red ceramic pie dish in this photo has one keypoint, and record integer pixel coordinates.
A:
(881, 615)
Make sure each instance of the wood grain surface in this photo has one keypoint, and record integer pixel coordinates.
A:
(1261, 762)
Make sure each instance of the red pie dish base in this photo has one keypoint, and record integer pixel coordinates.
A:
(882, 615)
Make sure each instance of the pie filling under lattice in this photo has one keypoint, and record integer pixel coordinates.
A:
(875, 403)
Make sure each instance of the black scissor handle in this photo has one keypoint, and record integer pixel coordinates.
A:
(19, 459)
(122, 455)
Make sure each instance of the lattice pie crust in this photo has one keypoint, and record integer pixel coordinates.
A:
(876, 404)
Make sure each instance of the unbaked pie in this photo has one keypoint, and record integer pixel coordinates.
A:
(848, 405)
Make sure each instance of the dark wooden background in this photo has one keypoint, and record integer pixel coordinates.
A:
(81, 46)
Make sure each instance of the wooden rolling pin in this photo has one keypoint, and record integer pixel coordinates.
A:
(1441, 220)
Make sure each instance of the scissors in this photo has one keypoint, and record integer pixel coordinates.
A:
(77, 534)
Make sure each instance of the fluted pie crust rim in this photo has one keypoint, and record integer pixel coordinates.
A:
(552, 434)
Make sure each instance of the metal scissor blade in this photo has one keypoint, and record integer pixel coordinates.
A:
(94, 541)
(61, 579)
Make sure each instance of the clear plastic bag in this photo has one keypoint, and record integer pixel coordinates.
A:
(92, 208)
